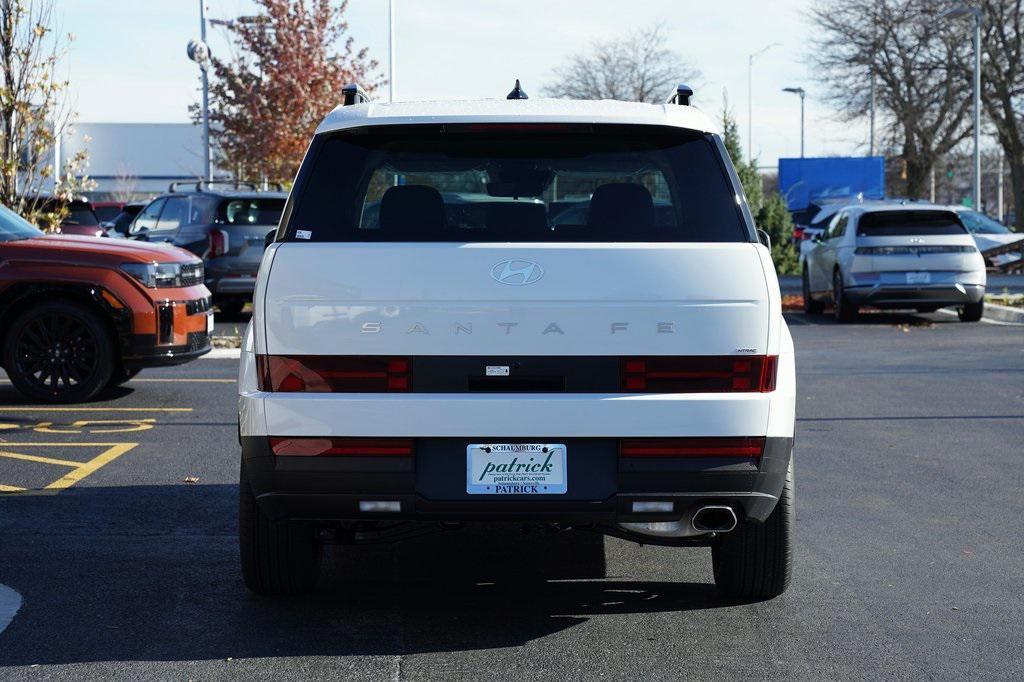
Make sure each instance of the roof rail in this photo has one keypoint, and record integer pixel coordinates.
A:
(681, 96)
(353, 94)
(206, 185)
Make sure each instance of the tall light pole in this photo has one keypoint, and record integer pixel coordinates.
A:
(954, 13)
(391, 50)
(802, 93)
(199, 52)
(750, 98)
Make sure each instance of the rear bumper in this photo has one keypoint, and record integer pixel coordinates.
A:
(431, 485)
(931, 295)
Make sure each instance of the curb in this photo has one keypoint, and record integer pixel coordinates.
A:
(1003, 313)
(223, 354)
(996, 314)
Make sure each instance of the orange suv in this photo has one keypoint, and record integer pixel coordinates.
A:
(80, 314)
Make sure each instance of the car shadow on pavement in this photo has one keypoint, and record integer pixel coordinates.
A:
(151, 573)
(874, 318)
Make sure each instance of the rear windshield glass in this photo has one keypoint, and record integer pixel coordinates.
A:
(509, 183)
(902, 223)
(81, 216)
(251, 211)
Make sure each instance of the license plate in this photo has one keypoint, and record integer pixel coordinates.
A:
(209, 323)
(919, 277)
(515, 469)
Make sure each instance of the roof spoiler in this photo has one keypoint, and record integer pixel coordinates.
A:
(681, 96)
(353, 94)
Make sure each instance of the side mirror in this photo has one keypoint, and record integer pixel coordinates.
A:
(763, 237)
(269, 239)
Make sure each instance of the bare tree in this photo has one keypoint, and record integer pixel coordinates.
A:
(32, 114)
(1002, 79)
(125, 184)
(921, 93)
(637, 67)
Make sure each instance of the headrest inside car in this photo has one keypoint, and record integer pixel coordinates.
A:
(620, 205)
(408, 207)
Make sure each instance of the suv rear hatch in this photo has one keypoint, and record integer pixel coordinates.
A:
(444, 240)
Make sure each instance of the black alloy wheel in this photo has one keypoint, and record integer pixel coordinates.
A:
(59, 352)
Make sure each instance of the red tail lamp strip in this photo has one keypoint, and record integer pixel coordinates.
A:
(745, 447)
(333, 374)
(700, 374)
(284, 446)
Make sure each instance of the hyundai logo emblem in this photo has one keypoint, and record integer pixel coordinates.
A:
(517, 272)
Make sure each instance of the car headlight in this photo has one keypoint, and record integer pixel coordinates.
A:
(160, 275)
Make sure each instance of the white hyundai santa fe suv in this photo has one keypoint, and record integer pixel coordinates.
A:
(432, 345)
(895, 256)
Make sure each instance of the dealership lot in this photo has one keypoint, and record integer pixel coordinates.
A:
(909, 467)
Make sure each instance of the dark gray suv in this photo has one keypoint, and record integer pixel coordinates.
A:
(224, 224)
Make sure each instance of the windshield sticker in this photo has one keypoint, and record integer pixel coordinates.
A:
(303, 234)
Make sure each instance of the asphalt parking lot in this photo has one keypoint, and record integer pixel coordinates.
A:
(910, 466)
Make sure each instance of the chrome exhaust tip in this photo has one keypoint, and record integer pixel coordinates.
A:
(714, 519)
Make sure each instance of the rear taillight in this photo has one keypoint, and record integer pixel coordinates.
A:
(333, 374)
(798, 233)
(284, 446)
(748, 447)
(219, 243)
(700, 374)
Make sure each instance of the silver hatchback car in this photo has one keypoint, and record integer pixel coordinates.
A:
(895, 256)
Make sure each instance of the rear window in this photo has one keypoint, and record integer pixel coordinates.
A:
(515, 182)
(908, 223)
(251, 211)
(81, 216)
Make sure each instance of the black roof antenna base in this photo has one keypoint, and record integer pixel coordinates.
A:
(517, 92)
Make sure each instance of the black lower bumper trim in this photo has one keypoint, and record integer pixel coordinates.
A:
(431, 486)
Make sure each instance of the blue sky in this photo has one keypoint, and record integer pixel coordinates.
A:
(128, 60)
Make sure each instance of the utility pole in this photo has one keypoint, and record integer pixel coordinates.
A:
(391, 50)
(871, 126)
(977, 110)
(750, 100)
(999, 188)
(199, 52)
(803, 94)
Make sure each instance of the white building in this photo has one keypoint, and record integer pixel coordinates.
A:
(136, 160)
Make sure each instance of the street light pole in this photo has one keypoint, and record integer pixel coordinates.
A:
(391, 50)
(954, 13)
(750, 99)
(207, 170)
(803, 94)
(977, 110)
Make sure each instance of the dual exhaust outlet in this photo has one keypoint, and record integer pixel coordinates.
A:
(712, 518)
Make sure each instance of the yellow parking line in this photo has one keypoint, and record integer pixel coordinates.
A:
(4, 408)
(40, 460)
(83, 470)
(10, 489)
(186, 380)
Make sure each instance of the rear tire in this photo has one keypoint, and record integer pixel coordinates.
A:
(59, 352)
(755, 561)
(971, 312)
(278, 557)
(231, 307)
(844, 310)
(811, 307)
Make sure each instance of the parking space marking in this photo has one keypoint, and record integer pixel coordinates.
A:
(185, 380)
(10, 602)
(126, 425)
(22, 408)
(79, 470)
(37, 458)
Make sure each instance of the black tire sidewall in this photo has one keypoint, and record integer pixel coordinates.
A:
(86, 389)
